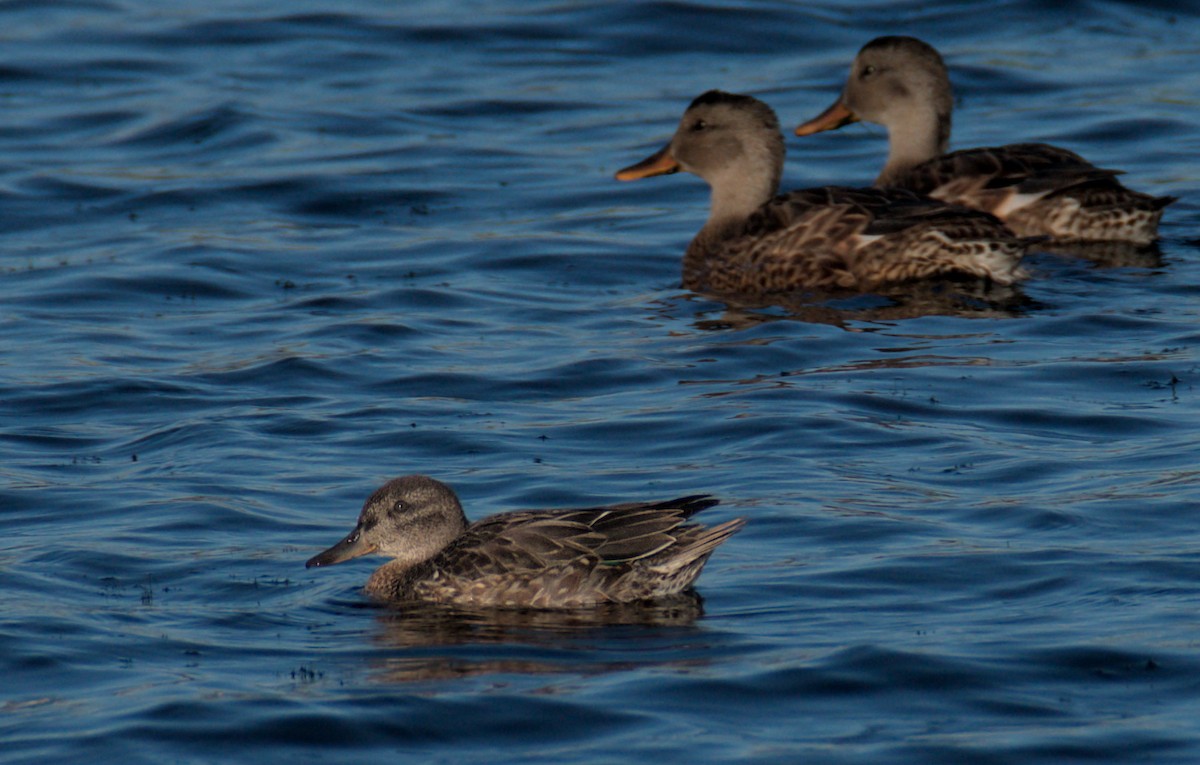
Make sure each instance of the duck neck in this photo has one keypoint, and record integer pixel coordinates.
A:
(918, 137)
(735, 195)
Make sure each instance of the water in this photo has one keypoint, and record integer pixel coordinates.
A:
(258, 260)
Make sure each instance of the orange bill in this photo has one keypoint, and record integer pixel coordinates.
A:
(659, 163)
(831, 119)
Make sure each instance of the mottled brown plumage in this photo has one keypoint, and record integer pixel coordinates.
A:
(527, 558)
(830, 237)
(902, 84)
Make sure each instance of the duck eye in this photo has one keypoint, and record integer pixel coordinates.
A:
(399, 506)
(868, 70)
(699, 125)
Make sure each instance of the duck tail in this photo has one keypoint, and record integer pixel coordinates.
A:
(684, 561)
(690, 505)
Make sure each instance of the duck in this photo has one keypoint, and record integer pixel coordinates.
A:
(527, 559)
(1037, 189)
(756, 242)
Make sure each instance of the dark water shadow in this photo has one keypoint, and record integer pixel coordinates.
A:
(1109, 254)
(847, 310)
(434, 642)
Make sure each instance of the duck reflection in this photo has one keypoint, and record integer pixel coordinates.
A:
(1109, 254)
(951, 298)
(430, 641)
(850, 312)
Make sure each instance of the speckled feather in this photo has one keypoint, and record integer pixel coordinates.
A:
(1040, 189)
(853, 238)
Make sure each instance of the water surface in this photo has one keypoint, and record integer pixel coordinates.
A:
(257, 260)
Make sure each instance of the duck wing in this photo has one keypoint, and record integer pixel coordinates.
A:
(1040, 189)
(984, 177)
(531, 541)
(853, 238)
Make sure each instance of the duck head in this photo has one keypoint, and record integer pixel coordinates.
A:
(732, 142)
(409, 519)
(902, 84)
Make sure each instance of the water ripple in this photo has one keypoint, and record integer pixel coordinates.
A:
(259, 260)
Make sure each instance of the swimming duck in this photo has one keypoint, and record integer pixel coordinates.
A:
(545, 559)
(902, 84)
(830, 237)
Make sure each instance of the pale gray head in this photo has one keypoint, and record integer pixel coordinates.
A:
(900, 83)
(732, 142)
(722, 135)
(410, 519)
(899, 80)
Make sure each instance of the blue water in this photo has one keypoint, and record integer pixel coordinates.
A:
(257, 260)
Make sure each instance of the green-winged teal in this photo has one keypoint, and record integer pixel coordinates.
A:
(1037, 189)
(526, 558)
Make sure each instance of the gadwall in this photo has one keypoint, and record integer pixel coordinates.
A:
(902, 84)
(829, 237)
(545, 559)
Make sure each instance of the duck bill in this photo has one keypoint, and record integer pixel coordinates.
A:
(832, 118)
(659, 163)
(352, 546)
